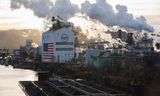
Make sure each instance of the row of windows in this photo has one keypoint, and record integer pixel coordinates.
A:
(64, 43)
(64, 49)
(68, 55)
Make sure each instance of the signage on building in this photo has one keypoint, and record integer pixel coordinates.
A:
(64, 37)
(46, 37)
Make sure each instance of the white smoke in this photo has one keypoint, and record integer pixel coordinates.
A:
(40, 7)
(101, 11)
(104, 12)
(92, 28)
(64, 9)
(47, 8)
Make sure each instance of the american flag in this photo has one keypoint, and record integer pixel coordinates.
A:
(48, 50)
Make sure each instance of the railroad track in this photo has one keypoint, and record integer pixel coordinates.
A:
(62, 87)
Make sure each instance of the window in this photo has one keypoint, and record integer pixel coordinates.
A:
(64, 49)
(64, 43)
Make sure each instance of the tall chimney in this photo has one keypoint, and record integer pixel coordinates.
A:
(130, 39)
(120, 33)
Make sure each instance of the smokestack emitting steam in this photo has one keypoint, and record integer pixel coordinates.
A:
(101, 11)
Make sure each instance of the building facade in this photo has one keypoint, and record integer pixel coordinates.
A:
(58, 46)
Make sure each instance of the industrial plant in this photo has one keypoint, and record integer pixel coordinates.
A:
(79, 48)
(71, 64)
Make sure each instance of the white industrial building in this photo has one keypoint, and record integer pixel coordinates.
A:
(58, 45)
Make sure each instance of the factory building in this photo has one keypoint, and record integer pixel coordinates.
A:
(58, 45)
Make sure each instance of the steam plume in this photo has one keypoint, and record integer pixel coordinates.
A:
(40, 7)
(104, 12)
(44, 8)
(64, 9)
(101, 11)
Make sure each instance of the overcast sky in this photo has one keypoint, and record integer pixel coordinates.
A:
(23, 19)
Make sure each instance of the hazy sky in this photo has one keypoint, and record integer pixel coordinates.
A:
(20, 19)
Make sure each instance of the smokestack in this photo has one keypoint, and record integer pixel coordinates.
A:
(130, 39)
(120, 34)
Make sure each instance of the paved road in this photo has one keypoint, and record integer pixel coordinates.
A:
(9, 78)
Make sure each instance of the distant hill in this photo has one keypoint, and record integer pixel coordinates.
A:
(12, 39)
